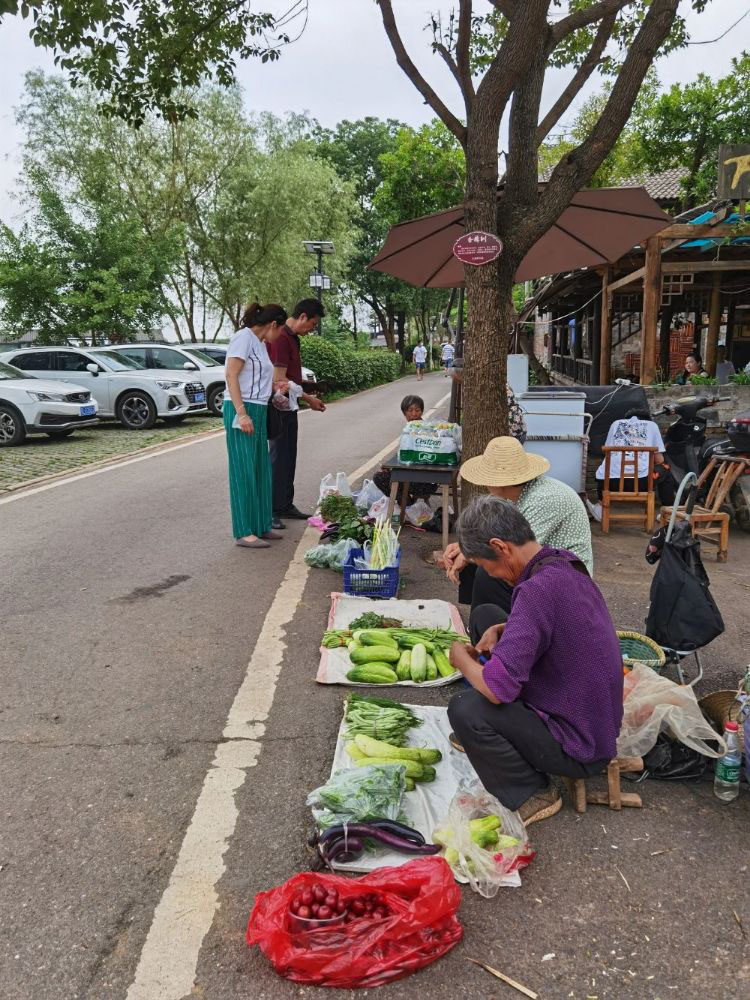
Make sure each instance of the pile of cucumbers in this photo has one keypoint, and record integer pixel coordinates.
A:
(382, 656)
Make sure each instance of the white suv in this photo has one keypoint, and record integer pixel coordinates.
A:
(175, 359)
(119, 385)
(31, 406)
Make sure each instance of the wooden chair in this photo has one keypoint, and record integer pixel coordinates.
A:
(629, 471)
(614, 797)
(709, 521)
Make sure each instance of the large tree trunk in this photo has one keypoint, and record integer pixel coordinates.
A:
(489, 291)
(401, 329)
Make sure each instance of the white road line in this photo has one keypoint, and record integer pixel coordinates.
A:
(169, 959)
(22, 494)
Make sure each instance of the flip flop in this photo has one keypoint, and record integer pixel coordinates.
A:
(272, 534)
(259, 543)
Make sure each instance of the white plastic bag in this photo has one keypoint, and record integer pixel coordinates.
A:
(378, 508)
(654, 704)
(419, 513)
(331, 483)
(369, 494)
(484, 869)
(425, 442)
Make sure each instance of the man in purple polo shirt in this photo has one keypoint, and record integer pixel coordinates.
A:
(548, 701)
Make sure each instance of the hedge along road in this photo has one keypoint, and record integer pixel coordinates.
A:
(130, 715)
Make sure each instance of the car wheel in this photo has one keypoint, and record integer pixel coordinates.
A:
(174, 420)
(58, 435)
(136, 410)
(216, 400)
(12, 427)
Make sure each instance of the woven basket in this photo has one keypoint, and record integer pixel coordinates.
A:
(722, 707)
(637, 648)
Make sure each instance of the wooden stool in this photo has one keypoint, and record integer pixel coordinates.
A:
(613, 797)
(708, 521)
(629, 471)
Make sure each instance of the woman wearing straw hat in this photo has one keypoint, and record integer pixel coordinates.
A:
(554, 511)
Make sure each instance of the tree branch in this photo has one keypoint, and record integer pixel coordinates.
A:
(587, 15)
(582, 74)
(576, 169)
(405, 62)
(463, 53)
(506, 7)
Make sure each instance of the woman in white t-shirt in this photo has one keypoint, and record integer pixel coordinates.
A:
(636, 430)
(249, 378)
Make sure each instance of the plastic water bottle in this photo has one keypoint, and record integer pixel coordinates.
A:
(727, 776)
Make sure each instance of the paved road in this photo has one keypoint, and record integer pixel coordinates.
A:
(128, 621)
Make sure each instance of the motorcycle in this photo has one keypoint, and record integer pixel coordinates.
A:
(686, 449)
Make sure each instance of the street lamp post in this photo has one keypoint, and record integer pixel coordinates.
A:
(319, 280)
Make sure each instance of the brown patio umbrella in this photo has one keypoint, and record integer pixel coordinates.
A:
(598, 227)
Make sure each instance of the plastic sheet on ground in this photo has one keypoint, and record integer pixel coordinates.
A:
(335, 663)
(428, 805)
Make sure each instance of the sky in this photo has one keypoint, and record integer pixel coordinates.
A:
(343, 67)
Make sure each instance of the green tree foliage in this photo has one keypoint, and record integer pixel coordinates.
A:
(687, 124)
(141, 55)
(89, 278)
(424, 172)
(236, 195)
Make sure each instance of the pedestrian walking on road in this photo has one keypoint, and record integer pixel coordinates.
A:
(249, 378)
(285, 354)
(447, 353)
(420, 359)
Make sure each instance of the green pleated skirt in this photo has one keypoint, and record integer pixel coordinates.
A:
(249, 472)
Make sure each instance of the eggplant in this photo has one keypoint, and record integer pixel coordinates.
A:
(343, 849)
(400, 829)
(397, 842)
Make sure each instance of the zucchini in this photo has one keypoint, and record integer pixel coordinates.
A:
(412, 768)
(375, 654)
(351, 646)
(373, 673)
(443, 664)
(403, 668)
(377, 748)
(409, 785)
(354, 752)
(375, 638)
(432, 670)
(428, 773)
(418, 666)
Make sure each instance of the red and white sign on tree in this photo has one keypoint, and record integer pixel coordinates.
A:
(477, 248)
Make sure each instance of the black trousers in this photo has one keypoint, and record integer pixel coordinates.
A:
(476, 587)
(509, 746)
(283, 451)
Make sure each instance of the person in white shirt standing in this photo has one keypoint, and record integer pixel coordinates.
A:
(636, 430)
(446, 356)
(420, 359)
(250, 385)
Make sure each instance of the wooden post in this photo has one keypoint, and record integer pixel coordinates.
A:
(605, 345)
(651, 301)
(714, 322)
(595, 340)
(665, 330)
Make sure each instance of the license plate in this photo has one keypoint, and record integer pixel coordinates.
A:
(200, 397)
(86, 411)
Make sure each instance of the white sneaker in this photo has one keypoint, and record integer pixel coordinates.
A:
(595, 509)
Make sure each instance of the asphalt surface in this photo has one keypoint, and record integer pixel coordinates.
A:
(128, 622)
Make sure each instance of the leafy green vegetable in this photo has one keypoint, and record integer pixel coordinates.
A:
(357, 795)
(380, 718)
(336, 508)
(371, 620)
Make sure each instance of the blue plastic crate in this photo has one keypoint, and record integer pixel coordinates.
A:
(370, 582)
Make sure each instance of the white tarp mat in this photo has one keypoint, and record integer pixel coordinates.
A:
(335, 663)
(428, 804)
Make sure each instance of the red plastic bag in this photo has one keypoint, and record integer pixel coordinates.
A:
(422, 897)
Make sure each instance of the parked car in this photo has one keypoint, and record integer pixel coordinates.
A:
(219, 353)
(120, 386)
(34, 406)
(177, 359)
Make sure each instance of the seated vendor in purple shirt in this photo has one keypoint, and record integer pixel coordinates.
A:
(549, 699)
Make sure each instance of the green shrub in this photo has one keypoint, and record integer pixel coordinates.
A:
(345, 369)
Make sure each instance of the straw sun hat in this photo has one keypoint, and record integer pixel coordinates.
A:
(504, 463)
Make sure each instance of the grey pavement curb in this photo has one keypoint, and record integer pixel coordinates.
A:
(114, 460)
